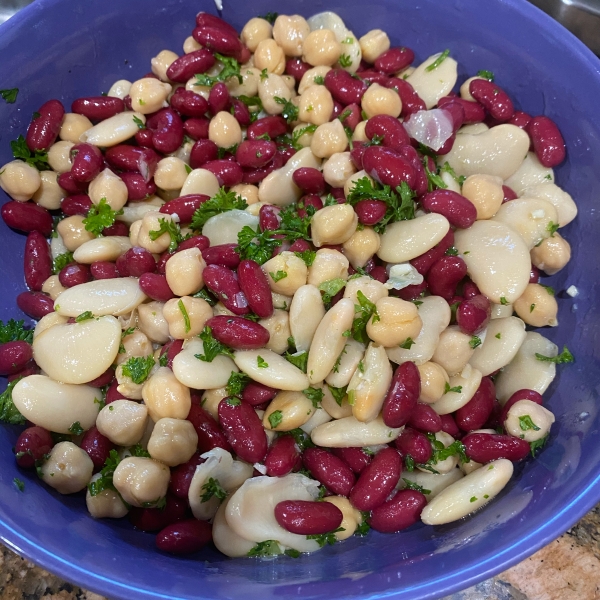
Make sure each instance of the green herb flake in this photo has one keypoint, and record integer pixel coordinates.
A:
(503, 301)
(236, 383)
(172, 229)
(473, 499)
(290, 110)
(231, 68)
(538, 445)
(409, 463)
(76, 428)
(457, 389)
(212, 488)
(291, 552)
(526, 423)
(19, 484)
(308, 256)
(84, 316)
(438, 61)
(411, 485)
(498, 336)
(531, 308)
(233, 401)
(452, 251)
(266, 548)
(407, 344)
(14, 331)
(297, 134)
(315, 395)
(298, 359)
(345, 61)
(105, 481)
(319, 80)
(552, 228)
(275, 419)
(137, 368)
(363, 528)
(186, 317)
(261, 362)
(139, 122)
(8, 411)
(61, 261)
(278, 276)
(446, 168)
(486, 75)
(331, 287)
(271, 17)
(564, 357)
(99, 217)
(9, 96)
(338, 393)
(434, 181)
(364, 311)
(37, 159)
(325, 538)
(212, 347)
(475, 342)
(221, 202)
(549, 289)
(139, 451)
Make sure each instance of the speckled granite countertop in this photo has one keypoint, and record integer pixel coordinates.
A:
(566, 569)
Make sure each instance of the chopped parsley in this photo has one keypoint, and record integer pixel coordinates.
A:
(365, 310)
(325, 538)
(296, 135)
(137, 368)
(473, 499)
(338, 393)
(231, 68)
(275, 419)
(19, 484)
(105, 481)
(236, 383)
(345, 61)
(61, 261)
(14, 331)
(37, 159)
(221, 202)
(457, 389)
(266, 548)
(290, 111)
(441, 453)
(446, 168)
(76, 428)
(433, 179)
(84, 316)
(99, 217)
(212, 347)
(212, 488)
(278, 275)
(486, 75)
(552, 228)
(526, 423)
(564, 357)
(8, 411)
(298, 359)
(438, 61)
(498, 336)
(9, 96)
(261, 362)
(186, 317)
(475, 342)
(411, 485)
(364, 527)
(315, 395)
(538, 445)
(139, 451)
(549, 289)
(330, 288)
(319, 79)
(308, 256)
(170, 227)
(407, 343)
(139, 122)
(271, 17)
(452, 251)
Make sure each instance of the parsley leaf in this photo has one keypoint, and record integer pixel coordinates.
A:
(564, 357)
(486, 75)
(526, 423)
(552, 228)
(308, 256)
(170, 227)
(275, 419)
(446, 168)
(296, 135)
(538, 445)
(271, 17)
(61, 261)
(411, 485)
(441, 453)
(37, 159)
(9, 95)
(363, 528)
(290, 111)
(457, 389)
(186, 317)
(14, 331)
(266, 548)
(475, 342)
(261, 363)
(19, 484)
(99, 217)
(433, 179)
(256, 245)
(330, 288)
(338, 393)
(212, 488)
(139, 451)
(315, 395)
(8, 411)
(325, 538)
(137, 368)
(302, 439)
(236, 383)
(105, 481)
(76, 428)
(221, 202)
(365, 310)
(438, 61)
(84, 316)
(231, 68)
(139, 122)
(345, 61)
(319, 79)
(298, 359)
(212, 347)
(407, 344)
(503, 301)
(278, 275)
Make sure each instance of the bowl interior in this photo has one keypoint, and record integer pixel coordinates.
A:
(65, 50)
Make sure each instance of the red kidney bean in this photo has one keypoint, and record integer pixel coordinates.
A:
(243, 429)
(98, 108)
(155, 519)
(444, 275)
(161, 263)
(143, 137)
(184, 537)
(97, 446)
(548, 143)
(269, 217)
(27, 217)
(204, 19)
(185, 67)
(135, 262)
(255, 286)
(196, 128)
(344, 88)
(394, 60)
(460, 211)
(387, 166)
(184, 206)
(255, 154)
(117, 228)
(424, 262)
(74, 274)
(87, 162)
(524, 394)
(356, 154)
(70, 185)
(218, 40)
(457, 113)
(534, 275)
(37, 261)
(411, 101)
(373, 76)
(329, 470)
(309, 180)
(112, 393)
(379, 274)
(137, 187)
(79, 204)
(273, 126)
(402, 395)
(209, 432)
(222, 282)
(391, 131)
(171, 350)
(493, 98)
(228, 173)
(167, 130)
(131, 158)
(255, 176)
(223, 254)
(377, 481)
(356, 458)
(282, 457)
(238, 333)
(401, 511)
(102, 380)
(301, 246)
(296, 68)
(424, 418)
(520, 119)
(32, 444)
(156, 287)
(256, 393)
(35, 304)
(370, 212)
(509, 194)
(473, 314)
(188, 103)
(14, 357)
(485, 447)
(308, 518)
(411, 292)
(475, 413)
(127, 102)
(306, 201)
(415, 444)
(470, 289)
(104, 269)
(218, 98)
(450, 427)
(474, 112)
(241, 112)
(30, 369)
(351, 116)
(44, 128)
(181, 476)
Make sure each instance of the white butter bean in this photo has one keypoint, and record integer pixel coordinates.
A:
(306, 312)
(224, 227)
(453, 351)
(349, 432)
(114, 130)
(278, 372)
(103, 248)
(433, 83)
(346, 364)
(530, 172)
(462, 388)
(566, 209)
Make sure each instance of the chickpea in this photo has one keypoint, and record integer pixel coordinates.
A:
(59, 156)
(321, 48)
(224, 130)
(372, 289)
(334, 224)
(537, 306)
(135, 344)
(171, 173)
(525, 412)
(173, 441)
(293, 408)
(378, 100)
(255, 31)
(109, 186)
(329, 139)
(363, 245)
(315, 106)
(278, 326)
(73, 126)
(49, 194)
(485, 192)
(398, 321)
(359, 134)
(270, 56)
(141, 481)
(328, 264)
(433, 382)
(249, 85)
(305, 138)
(290, 32)
(285, 272)
(247, 191)
(73, 232)
(148, 95)
(191, 45)
(352, 517)
(308, 78)
(211, 400)
(152, 322)
(68, 469)
(20, 180)
(271, 87)
(151, 222)
(198, 311)
(552, 254)
(165, 396)
(161, 62)
(453, 351)
(281, 301)
(373, 44)
(123, 422)
(338, 169)
(184, 272)
(105, 505)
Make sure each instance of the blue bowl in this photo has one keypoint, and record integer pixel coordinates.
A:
(65, 49)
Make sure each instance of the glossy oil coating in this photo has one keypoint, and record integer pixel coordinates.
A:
(65, 49)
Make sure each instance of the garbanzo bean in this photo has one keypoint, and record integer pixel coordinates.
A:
(321, 48)
(373, 44)
(270, 56)
(315, 106)
(537, 306)
(255, 31)
(290, 33)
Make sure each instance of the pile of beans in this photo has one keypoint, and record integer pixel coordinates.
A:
(281, 285)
